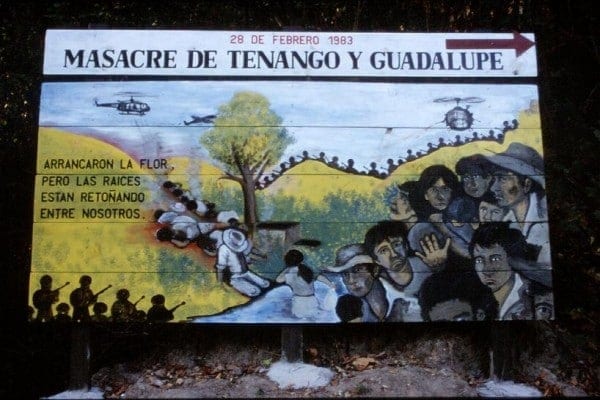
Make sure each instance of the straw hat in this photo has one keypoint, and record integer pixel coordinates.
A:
(349, 256)
(235, 240)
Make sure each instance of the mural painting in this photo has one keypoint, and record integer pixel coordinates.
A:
(286, 201)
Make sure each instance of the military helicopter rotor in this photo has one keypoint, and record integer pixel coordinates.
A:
(459, 118)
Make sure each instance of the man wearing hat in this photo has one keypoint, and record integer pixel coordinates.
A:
(519, 185)
(359, 274)
(231, 256)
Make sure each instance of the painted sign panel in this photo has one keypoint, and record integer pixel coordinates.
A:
(287, 200)
(225, 53)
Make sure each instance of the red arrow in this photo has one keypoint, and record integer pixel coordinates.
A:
(519, 42)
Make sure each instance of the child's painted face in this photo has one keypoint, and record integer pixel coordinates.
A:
(489, 212)
(476, 185)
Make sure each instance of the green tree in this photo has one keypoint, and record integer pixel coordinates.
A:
(247, 137)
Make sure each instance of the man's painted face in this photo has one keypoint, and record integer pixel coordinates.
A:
(392, 255)
(476, 185)
(491, 264)
(507, 189)
(439, 195)
(358, 280)
(401, 208)
(451, 310)
(489, 212)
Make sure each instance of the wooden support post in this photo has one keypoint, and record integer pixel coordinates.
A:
(502, 350)
(291, 344)
(79, 376)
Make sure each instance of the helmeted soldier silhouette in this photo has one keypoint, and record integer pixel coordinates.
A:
(44, 298)
(373, 171)
(159, 312)
(62, 312)
(82, 298)
(122, 309)
(100, 308)
(350, 167)
(391, 166)
(334, 163)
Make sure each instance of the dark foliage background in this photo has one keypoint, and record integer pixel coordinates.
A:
(567, 34)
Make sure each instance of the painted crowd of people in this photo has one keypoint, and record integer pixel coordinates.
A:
(468, 244)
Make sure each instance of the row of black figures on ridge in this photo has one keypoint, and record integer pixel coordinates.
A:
(382, 172)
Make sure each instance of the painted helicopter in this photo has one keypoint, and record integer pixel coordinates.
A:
(459, 118)
(127, 107)
(207, 119)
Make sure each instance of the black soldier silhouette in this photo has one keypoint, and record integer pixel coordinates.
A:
(304, 156)
(82, 298)
(100, 309)
(350, 167)
(391, 166)
(334, 163)
(62, 312)
(122, 309)
(410, 156)
(159, 312)
(321, 157)
(44, 298)
(373, 171)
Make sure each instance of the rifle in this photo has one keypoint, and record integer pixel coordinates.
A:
(102, 291)
(177, 306)
(58, 289)
(141, 298)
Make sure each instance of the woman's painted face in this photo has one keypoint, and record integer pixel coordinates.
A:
(439, 195)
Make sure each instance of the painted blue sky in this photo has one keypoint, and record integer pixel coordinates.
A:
(346, 119)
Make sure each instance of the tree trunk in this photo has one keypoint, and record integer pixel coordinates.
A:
(250, 212)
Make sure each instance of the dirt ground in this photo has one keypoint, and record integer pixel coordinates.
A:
(431, 365)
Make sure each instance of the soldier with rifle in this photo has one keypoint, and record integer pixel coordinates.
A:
(158, 312)
(44, 298)
(83, 297)
(124, 310)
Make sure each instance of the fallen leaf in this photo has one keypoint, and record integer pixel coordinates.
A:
(362, 362)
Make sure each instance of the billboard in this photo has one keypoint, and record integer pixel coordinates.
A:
(289, 177)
